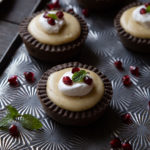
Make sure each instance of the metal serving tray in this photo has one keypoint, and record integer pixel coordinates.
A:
(101, 49)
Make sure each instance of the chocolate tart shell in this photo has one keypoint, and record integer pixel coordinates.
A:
(67, 117)
(129, 41)
(52, 53)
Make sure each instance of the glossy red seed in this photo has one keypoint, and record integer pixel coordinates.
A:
(13, 80)
(126, 80)
(76, 69)
(115, 143)
(29, 76)
(88, 80)
(118, 64)
(126, 118)
(126, 146)
(85, 12)
(51, 6)
(60, 14)
(46, 15)
(56, 4)
(143, 11)
(67, 80)
(51, 21)
(134, 70)
(13, 130)
(147, 4)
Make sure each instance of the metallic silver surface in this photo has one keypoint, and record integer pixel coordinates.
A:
(102, 48)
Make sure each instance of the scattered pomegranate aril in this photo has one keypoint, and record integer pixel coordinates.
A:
(29, 76)
(60, 14)
(56, 4)
(88, 80)
(76, 69)
(50, 6)
(147, 4)
(70, 10)
(13, 80)
(46, 15)
(85, 12)
(126, 146)
(126, 118)
(118, 64)
(134, 70)
(143, 11)
(13, 130)
(115, 143)
(51, 21)
(126, 80)
(67, 80)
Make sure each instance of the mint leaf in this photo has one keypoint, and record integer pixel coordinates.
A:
(30, 122)
(53, 16)
(148, 9)
(79, 76)
(5, 121)
(12, 112)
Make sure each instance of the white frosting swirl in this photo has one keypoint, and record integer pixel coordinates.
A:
(51, 28)
(143, 19)
(77, 89)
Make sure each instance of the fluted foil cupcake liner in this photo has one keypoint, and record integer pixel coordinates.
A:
(52, 53)
(70, 117)
(129, 41)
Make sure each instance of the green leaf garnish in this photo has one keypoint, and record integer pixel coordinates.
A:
(30, 122)
(5, 122)
(79, 76)
(12, 112)
(148, 9)
(53, 16)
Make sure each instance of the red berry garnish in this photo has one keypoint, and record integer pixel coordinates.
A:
(143, 11)
(51, 6)
(134, 70)
(29, 76)
(56, 4)
(67, 80)
(126, 146)
(126, 80)
(60, 14)
(46, 15)
(85, 12)
(51, 21)
(147, 4)
(118, 64)
(115, 143)
(76, 69)
(88, 80)
(13, 80)
(126, 118)
(13, 130)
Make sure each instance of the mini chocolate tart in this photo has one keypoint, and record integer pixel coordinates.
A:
(68, 117)
(49, 52)
(132, 42)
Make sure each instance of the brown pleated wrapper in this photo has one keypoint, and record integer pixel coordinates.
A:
(52, 53)
(70, 117)
(129, 41)
(103, 5)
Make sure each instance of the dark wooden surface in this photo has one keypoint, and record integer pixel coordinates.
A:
(12, 12)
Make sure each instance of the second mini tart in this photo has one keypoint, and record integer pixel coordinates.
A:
(129, 40)
(77, 116)
(52, 52)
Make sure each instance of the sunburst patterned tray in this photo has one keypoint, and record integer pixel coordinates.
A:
(102, 48)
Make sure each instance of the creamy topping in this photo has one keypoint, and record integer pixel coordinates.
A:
(59, 23)
(143, 19)
(77, 89)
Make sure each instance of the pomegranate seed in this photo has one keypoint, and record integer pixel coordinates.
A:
(143, 11)
(70, 10)
(46, 15)
(88, 80)
(115, 143)
(85, 12)
(126, 118)
(134, 70)
(67, 80)
(147, 4)
(56, 4)
(13, 80)
(126, 80)
(60, 14)
(13, 130)
(118, 64)
(126, 146)
(51, 21)
(51, 6)
(29, 76)
(76, 69)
